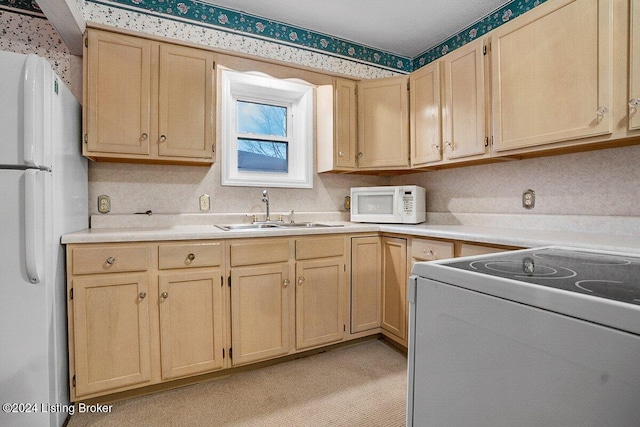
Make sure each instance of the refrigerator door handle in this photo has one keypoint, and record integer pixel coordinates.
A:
(33, 132)
(32, 258)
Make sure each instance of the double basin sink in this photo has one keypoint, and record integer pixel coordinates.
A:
(274, 225)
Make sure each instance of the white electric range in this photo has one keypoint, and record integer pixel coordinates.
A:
(537, 337)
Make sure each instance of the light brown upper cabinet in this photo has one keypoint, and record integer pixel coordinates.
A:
(634, 67)
(449, 105)
(551, 73)
(337, 126)
(426, 115)
(465, 130)
(147, 101)
(383, 123)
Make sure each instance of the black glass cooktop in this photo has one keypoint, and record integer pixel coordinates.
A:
(615, 277)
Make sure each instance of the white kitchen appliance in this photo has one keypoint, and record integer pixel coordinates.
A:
(537, 337)
(43, 183)
(403, 204)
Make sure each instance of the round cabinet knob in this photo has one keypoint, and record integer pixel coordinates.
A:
(430, 253)
(435, 147)
(285, 283)
(634, 103)
(191, 257)
(601, 112)
(341, 153)
(450, 145)
(111, 260)
(144, 136)
(163, 138)
(164, 295)
(142, 295)
(360, 154)
(300, 280)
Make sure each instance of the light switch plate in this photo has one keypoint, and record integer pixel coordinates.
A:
(104, 204)
(205, 203)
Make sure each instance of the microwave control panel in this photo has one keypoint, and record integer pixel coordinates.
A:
(407, 203)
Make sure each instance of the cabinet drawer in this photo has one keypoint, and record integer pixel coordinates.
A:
(429, 250)
(109, 259)
(319, 248)
(468, 249)
(250, 253)
(189, 255)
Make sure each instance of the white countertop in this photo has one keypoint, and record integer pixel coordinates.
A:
(519, 237)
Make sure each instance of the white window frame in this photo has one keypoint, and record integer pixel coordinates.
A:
(297, 96)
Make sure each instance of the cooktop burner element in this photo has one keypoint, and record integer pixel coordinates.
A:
(615, 277)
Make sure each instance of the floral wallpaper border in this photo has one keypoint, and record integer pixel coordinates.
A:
(198, 13)
(204, 14)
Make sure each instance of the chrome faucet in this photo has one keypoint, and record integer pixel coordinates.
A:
(265, 199)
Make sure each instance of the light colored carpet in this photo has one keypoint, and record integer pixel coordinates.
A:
(361, 385)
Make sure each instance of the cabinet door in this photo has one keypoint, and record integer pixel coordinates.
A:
(383, 123)
(261, 310)
(185, 102)
(552, 74)
(336, 126)
(366, 283)
(345, 122)
(191, 322)
(634, 64)
(319, 302)
(394, 286)
(426, 117)
(118, 103)
(465, 119)
(111, 332)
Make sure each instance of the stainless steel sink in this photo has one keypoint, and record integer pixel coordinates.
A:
(231, 227)
(258, 226)
(306, 224)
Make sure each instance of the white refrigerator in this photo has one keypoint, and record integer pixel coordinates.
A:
(43, 190)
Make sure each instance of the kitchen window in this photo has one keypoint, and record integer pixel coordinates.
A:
(267, 131)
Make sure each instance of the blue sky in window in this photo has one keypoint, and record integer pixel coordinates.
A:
(265, 122)
(262, 119)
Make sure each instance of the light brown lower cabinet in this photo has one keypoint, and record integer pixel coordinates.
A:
(394, 287)
(191, 322)
(260, 312)
(319, 302)
(366, 283)
(144, 313)
(111, 332)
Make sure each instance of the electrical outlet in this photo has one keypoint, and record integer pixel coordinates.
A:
(205, 203)
(104, 204)
(529, 199)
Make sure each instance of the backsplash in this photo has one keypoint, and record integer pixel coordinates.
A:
(601, 183)
(176, 189)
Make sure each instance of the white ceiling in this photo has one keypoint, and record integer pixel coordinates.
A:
(402, 27)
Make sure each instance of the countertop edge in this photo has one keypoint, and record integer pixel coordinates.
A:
(525, 238)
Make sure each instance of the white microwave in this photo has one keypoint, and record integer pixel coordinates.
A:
(403, 204)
